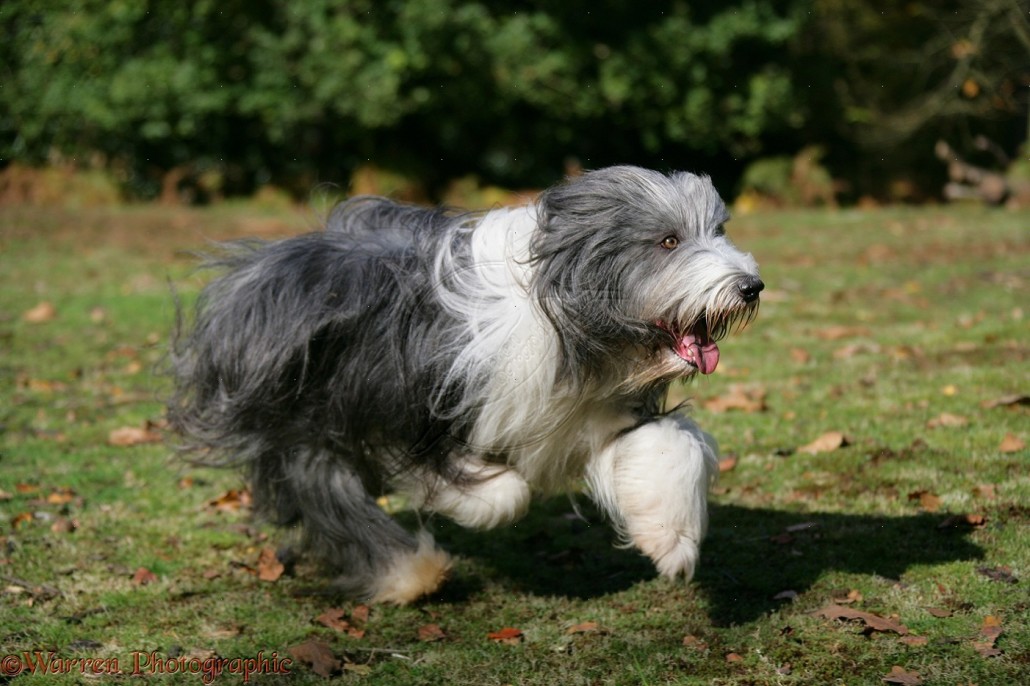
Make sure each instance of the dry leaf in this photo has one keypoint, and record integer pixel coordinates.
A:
(431, 633)
(1002, 573)
(990, 631)
(360, 614)
(230, 501)
(873, 621)
(1011, 444)
(914, 641)
(836, 333)
(586, 628)
(1006, 401)
(21, 519)
(727, 463)
(853, 596)
(133, 435)
(985, 491)
(691, 641)
(947, 420)
(739, 397)
(507, 636)
(333, 618)
(316, 655)
(940, 613)
(734, 657)
(64, 526)
(40, 314)
(61, 496)
(825, 443)
(268, 565)
(927, 500)
(900, 675)
(143, 576)
(800, 355)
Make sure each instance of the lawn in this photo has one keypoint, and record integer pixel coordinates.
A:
(870, 523)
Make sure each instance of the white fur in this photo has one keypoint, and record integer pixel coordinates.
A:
(653, 482)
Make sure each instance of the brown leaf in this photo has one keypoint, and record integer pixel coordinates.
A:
(728, 463)
(800, 355)
(836, 333)
(1006, 401)
(900, 675)
(586, 628)
(334, 619)
(230, 501)
(938, 612)
(268, 565)
(739, 397)
(430, 633)
(927, 500)
(827, 442)
(133, 435)
(1002, 573)
(507, 636)
(853, 596)
(990, 631)
(1011, 444)
(874, 622)
(40, 314)
(965, 521)
(316, 655)
(947, 420)
(21, 519)
(691, 641)
(360, 614)
(734, 657)
(914, 641)
(986, 491)
(61, 496)
(64, 526)
(143, 576)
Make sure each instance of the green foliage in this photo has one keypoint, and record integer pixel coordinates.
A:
(268, 89)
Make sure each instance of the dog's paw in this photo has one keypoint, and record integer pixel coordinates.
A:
(673, 554)
(497, 496)
(412, 575)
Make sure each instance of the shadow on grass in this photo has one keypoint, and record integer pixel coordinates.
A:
(750, 555)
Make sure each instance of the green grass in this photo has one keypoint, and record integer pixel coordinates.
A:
(874, 323)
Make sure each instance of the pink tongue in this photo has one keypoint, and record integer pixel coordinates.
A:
(704, 354)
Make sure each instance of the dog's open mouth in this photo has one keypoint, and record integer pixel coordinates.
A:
(694, 346)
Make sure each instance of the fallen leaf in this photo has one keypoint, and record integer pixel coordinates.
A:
(990, 631)
(836, 333)
(21, 519)
(61, 496)
(734, 657)
(927, 500)
(914, 641)
(269, 567)
(26, 488)
(334, 619)
(360, 614)
(1006, 401)
(873, 621)
(586, 628)
(900, 675)
(947, 420)
(727, 464)
(507, 636)
(133, 435)
(143, 576)
(829, 441)
(230, 501)
(746, 398)
(1011, 444)
(853, 349)
(40, 314)
(318, 656)
(937, 612)
(800, 355)
(691, 641)
(985, 491)
(430, 633)
(853, 596)
(63, 525)
(1002, 573)
(965, 521)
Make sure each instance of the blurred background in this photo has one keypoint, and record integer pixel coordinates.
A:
(782, 102)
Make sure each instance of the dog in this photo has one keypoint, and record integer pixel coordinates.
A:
(469, 361)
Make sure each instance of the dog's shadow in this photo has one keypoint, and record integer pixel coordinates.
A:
(749, 557)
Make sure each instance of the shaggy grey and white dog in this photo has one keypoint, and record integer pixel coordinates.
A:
(469, 360)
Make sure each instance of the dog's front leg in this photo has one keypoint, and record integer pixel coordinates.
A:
(653, 482)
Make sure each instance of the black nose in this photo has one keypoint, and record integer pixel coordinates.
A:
(750, 287)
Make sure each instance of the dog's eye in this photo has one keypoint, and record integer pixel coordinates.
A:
(670, 242)
(720, 230)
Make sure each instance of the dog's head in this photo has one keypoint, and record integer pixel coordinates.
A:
(630, 260)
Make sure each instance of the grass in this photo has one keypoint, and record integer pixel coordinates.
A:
(874, 324)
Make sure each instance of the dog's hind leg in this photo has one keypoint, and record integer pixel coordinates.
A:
(653, 482)
(343, 527)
